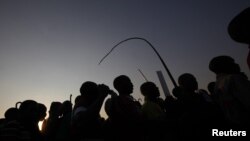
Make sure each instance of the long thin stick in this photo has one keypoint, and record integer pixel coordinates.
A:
(143, 75)
(139, 38)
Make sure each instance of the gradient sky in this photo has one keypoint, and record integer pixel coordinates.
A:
(48, 48)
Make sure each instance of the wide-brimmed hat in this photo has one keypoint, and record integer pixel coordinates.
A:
(239, 27)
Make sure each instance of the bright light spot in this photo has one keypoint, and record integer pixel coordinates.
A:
(40, 123)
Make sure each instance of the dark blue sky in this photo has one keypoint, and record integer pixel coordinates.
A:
(48, 48)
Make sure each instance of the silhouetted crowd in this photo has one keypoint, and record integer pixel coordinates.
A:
(187, 112)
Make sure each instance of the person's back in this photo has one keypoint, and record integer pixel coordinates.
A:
(232, 90)
(174, 106)
(151, 107)
(64, 128)
(189, 86)
(191, 119)
(124, 108)
(153, 111)
(51, 124)
(125, 112)
(86, 121)
(29, 115)
(11, 128)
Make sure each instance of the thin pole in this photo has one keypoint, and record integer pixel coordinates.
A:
(143, 75)
(70, 97)
(139, 38)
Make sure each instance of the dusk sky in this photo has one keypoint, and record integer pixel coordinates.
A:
(48, 48)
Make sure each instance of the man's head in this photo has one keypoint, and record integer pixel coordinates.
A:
(224, 64)
(89, 90)
(188, 82)
(150, 90)
(123, 85)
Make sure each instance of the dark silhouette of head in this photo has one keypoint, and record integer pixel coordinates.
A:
(11, 114)
(211, 87)
(29, 111)
(89, 91)
(239, 27)
(42, 109)
(224, 64)
(150, 90)
(54, 110)
(66, 107)
(177, 92)
(77, 99)
(188, 82)
(123, 85)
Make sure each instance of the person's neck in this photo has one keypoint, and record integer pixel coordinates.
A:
(124, 94)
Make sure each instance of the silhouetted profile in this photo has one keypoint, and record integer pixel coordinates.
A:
(51, 124)
(125, 112)
(153, 110)
(218, 118)
(86, 120)
(211, 87)
(193, 121)
(29, 117)
(233, 91)
(64, 128)
(11, 114)
(42, 112)
(22, 123)
(174, 110)
(9, 126)
(153, 106)
(239, 29)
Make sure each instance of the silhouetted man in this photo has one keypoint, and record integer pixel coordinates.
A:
(239, 29)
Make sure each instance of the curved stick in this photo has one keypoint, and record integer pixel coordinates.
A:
(18, 103)
(138, 38)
